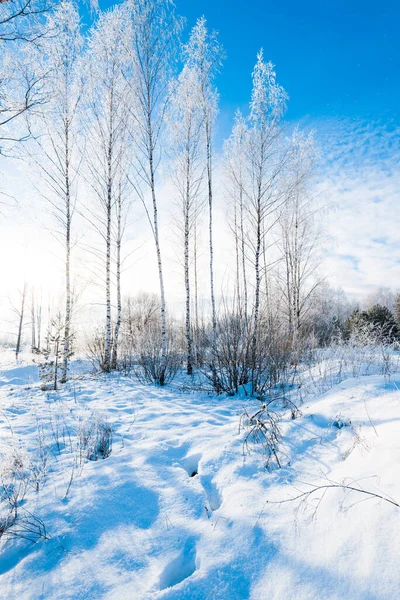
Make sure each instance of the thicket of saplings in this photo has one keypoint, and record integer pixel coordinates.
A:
(280, 366)
(238, 358)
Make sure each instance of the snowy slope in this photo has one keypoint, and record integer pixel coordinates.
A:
(178, 512)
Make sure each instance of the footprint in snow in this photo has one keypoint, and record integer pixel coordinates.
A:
(213, 495)
(181, 567)
(191, 464)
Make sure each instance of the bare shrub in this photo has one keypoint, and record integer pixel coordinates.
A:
(309, 500)
(139, 313)
(39, 460)
(101, 445)
(14, 483)
(262, 428)
(231, 357)
(151, 364)
(363, 354)
(236, 362)
(94, 439)
(95, 345)
(273, 364)
(28, 527)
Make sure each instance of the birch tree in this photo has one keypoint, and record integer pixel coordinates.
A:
(299, 235)
(121, 213)
(267, 106)
(106, 127)
(33, 322)
(236, 153)
(152, 43)
(19, 311)
(204, 53)
(186, 124)
(55, 147)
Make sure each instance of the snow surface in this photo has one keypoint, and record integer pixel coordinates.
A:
(178, 512)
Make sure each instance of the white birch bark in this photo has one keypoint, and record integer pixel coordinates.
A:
(114, 362)
(21, 314)
(152, 44)
(55, 150)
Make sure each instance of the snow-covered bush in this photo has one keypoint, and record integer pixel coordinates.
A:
(153, 363)
(360, 356)
(52, 356)
(15, 478)
(231, 366)
(237, 361)
(40, 457)
(101, 445)
(262, 427)
(139, 313)
(95, 346)
(94, 439)
(377, 324)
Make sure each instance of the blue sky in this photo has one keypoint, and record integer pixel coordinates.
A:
(337, 58)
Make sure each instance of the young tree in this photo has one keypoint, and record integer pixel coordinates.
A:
(299, 235)
(38, 317)
(236, 153)
(266, 166)
(106, 127)
(204, 53)
(55, 149)
(33, 322)
(121, 213)
(53, 354)
(20, 312)
(152, 43)
(186, 123)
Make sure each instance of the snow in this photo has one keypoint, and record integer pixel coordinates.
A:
(178, 512)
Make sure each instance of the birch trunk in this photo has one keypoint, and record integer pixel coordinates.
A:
(157, 239)
(107, 345)
(114, 361)
(189, 348)
(243, 248)
(196, 293)
(21, 323)
(39, 324)
(67, 327)
(257, 289)
(108, 207)
(33, 323)
(210, 232)
(211, 246)
(259, 233)
(235, 226)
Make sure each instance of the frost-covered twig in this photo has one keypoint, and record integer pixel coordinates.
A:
(307, 494)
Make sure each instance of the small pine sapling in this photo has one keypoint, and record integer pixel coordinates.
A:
(54, 353)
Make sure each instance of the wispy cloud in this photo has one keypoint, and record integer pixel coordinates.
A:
(360, 172)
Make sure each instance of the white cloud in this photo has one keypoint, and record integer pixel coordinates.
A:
(360, 172)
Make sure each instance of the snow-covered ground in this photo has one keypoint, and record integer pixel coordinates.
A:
(177, 511)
